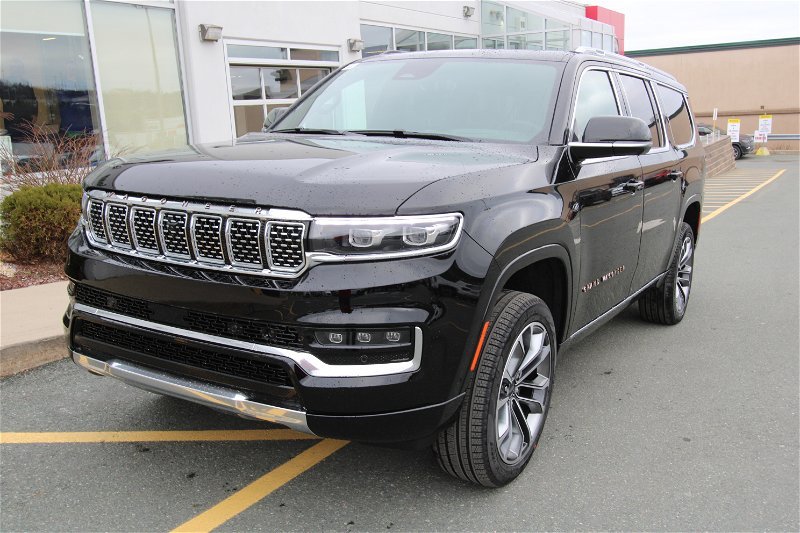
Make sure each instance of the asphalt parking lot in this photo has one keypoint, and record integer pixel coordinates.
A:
(693, 427)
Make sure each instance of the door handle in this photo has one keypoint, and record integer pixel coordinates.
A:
(633, 185)
(675, 174)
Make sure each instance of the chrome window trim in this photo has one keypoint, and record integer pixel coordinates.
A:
(650, 90)
(310, 364)
(193, 237)
(214, 396)
(685, 97)
(614, 88)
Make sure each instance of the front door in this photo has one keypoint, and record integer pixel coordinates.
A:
(609, 203)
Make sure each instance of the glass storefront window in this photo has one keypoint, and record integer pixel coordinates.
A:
(377, 39)
(409, 40)
(523, 21)
(137, 61)
(304, 54)
(245, 83)
(586, 38)
(248, 118)
(557, 40)
(464, 43)
(533, 41)
(492, 18)
(46, 79)
(280, 82)
(555, 24)
(494, 44)
(608, 43)
(310, 76)
(440, 41)
(597, 40)
(256, 52)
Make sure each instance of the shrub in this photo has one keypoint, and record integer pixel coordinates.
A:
(36, 221)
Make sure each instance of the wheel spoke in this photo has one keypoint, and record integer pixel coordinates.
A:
(523, 435)
(533, 363)
(504, 420)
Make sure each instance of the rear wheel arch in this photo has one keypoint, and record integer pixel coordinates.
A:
(692, 217)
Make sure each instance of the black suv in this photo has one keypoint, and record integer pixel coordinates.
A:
(402, 256)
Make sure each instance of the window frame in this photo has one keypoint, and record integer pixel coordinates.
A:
(574, 107)
(685, 97)
(648, 82)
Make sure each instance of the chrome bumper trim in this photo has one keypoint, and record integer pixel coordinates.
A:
(195, 391)
(308, 362)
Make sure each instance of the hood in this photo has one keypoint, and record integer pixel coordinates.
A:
(318, 175)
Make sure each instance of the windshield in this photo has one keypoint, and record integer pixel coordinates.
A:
(472, 98)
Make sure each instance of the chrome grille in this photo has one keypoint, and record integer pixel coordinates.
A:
(117, 219)
(207, 235)
(285, 245)
(144, 229)
(243, 236)
(173, 233)
(230, 239)
(96, 220)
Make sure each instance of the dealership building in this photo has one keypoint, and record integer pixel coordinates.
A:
(153, 75)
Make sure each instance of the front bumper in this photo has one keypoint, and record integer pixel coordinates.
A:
(436, 297)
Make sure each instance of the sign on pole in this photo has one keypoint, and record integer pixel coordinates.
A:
(733, 129)
(765, 123)
(760, 136)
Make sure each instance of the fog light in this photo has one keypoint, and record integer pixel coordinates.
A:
(335, 338)
(393, 336)
(362, 336)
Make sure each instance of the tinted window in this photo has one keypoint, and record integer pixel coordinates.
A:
(595, 99)
(436, 95)
(642, 106)
(677, 112)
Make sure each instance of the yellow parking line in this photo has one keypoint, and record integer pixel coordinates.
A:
(152, 436)
(742, 197)
(261, 488)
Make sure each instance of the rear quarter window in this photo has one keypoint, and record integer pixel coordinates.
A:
(676, 110)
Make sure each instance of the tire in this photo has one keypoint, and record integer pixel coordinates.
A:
(737, 152)
(667, 304)
(508, 395)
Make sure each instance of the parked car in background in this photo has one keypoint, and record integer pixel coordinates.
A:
(745, 145)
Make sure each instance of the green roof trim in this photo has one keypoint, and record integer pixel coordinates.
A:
(713, 47)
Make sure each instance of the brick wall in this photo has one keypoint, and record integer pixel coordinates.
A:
(719, 155)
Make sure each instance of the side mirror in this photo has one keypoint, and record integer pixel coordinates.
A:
(273, 117)
(612, 136)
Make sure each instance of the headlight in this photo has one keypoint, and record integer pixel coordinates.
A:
(383, 237)
(84, 220)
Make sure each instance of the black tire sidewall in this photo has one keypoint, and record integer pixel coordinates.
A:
(672, 276)
(737, 152)
(499, 469)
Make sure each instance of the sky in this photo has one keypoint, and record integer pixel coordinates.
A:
(668, 23)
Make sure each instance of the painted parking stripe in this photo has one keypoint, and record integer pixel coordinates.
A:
(735, 201)
(261, 488)
(153, 436)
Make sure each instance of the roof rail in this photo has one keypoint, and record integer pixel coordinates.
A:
(623, 59)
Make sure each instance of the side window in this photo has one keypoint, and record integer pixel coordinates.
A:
(595, 99)
(677, 112)
(642, 106)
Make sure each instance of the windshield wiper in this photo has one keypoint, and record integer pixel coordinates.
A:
(313, 131)
(405, 134)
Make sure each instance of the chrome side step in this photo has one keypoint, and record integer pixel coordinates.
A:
(214, 396)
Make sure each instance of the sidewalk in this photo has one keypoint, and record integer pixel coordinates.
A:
(31, 332)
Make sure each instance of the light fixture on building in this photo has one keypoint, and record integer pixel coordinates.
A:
(468, 11)
(210, 32)
(355, 45)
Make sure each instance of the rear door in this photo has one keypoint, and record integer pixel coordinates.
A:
(609, 204)
(662, 183)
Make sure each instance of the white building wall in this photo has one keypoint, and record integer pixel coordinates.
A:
(446, 17)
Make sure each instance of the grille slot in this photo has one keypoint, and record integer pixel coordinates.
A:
(144, 229)
(230, 239)
(212, 360)
(207, 235)
(112, 302)
(117, 218)
(96, 220)
(243, 237)
(173, 233)
(285, 245)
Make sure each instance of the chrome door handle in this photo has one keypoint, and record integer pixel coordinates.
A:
(675, 174)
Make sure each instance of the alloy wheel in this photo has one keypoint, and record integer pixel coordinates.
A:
(684, 278)
(524, 393)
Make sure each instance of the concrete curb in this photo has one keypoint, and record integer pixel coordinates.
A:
(28, 355)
